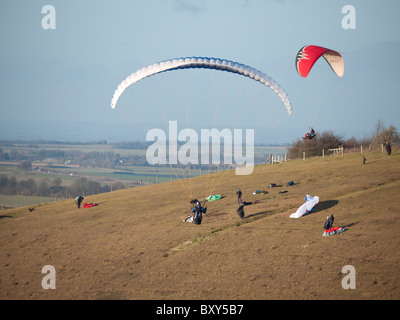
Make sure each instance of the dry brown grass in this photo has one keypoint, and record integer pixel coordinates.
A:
(134, 245)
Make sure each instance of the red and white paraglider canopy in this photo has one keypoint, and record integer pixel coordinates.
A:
(308, 55)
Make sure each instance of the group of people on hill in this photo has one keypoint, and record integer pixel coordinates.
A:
(198, 210)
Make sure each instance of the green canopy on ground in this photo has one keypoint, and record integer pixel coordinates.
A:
(213, 197)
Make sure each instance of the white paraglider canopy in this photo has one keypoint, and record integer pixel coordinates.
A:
(208, 63)
(305, 208)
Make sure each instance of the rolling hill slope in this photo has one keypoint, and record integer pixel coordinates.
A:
(134, 245)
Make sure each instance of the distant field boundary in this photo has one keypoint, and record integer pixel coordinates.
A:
(341, 151)
(8, 202)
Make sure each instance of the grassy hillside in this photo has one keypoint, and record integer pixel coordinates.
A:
(134, 245)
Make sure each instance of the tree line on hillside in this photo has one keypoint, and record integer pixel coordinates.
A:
(97, 159)
(329, 140)
(36, 142)
(53, 188)
(100, 159)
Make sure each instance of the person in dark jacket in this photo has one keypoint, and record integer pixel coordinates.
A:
(239, 196)
(329, 222)
(197, 214)
(78, 201)
(240, 211)
(388, 148)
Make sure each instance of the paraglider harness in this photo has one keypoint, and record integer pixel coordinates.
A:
(309, 135)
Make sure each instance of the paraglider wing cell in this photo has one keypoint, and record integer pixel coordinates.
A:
(209, 63)
(308, 56)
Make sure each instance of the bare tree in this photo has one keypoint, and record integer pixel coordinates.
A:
(383, 134)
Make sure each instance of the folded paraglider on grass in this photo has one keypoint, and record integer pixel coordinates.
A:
(88, 205)
(306, 207)
(330, 230)
(214, 197)
(259, 192)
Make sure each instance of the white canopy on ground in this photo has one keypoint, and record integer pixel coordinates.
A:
(305, 208)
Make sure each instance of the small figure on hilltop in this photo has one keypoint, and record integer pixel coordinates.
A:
(78, 201)
(364, 160)
(388, 148)
(239, 196)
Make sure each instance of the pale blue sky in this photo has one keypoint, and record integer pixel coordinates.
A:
(64, 78)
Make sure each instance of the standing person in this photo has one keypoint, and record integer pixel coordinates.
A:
(329, 222)
(388, 148)
(78, 201)
(239, 195)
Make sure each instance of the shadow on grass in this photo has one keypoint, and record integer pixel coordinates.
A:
(258, 214)
(324, 205)
(350, 224)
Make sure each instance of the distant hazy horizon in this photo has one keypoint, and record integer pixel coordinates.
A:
(87, 131)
